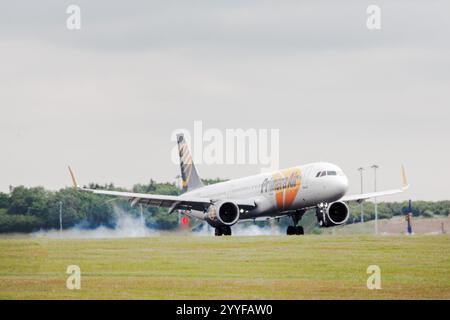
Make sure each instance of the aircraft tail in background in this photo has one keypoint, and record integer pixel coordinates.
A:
(189, 175)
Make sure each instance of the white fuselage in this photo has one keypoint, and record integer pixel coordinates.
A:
(280, 192)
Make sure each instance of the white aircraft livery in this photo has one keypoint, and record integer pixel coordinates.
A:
(288, 192)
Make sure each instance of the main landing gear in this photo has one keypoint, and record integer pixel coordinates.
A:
(223, 231)
(296, 230)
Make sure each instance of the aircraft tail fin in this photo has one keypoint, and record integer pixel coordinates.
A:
(404, 179)
(74, 180)
(189, 176)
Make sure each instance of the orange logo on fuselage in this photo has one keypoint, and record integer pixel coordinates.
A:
(285, 184)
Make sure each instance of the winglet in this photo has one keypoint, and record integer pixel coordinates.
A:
(404, 179)
(74, 180)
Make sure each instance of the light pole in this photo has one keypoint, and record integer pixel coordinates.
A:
(60, 215)
(361, 169)
(375, 167)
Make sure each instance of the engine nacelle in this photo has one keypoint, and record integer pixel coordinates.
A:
(334, 214)
(223, 213)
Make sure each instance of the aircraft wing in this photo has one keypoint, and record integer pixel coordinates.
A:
(365, 196)
(155, 200)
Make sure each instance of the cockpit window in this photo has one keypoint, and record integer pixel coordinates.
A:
(329, 173)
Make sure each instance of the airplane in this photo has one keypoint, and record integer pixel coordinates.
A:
(288, 192)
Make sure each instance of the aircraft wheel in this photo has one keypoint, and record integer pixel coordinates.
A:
(227, 231)
(223, 231)
(299, 230)
(290, 230)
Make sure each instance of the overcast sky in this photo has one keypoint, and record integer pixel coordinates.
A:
(106, 98)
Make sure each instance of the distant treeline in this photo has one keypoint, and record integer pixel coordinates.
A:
(388, 210)
(30, 209)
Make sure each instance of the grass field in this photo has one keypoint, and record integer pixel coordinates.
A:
(185, 267)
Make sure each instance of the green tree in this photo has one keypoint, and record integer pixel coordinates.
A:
(4, 200)
(30, 201)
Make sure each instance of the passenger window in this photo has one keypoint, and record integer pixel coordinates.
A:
(331, 173)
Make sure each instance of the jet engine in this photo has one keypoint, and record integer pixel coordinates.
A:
(334, 214)
(223, 213)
